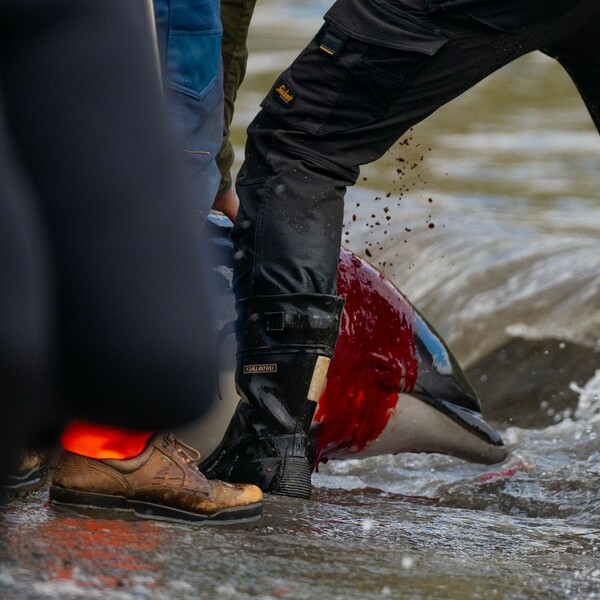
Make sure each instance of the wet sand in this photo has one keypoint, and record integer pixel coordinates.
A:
(342, 544)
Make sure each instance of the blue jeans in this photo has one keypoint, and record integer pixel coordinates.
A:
(189, 39)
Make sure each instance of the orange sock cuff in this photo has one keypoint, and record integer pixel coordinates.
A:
(102, 442)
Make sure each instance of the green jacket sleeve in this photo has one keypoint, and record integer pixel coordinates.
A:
(235, 16)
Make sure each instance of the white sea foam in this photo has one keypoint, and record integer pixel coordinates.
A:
(589, 398)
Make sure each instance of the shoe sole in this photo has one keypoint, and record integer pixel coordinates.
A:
(93, 504)
(21, 485)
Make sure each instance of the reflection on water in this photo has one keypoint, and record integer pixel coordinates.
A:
(494, 234)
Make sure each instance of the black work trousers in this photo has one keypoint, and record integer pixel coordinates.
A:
(376, 68)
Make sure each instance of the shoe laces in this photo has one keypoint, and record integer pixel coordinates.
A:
(187, 452)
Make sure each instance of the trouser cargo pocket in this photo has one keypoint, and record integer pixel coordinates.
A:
(359, 63)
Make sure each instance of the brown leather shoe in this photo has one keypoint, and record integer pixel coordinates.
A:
(30, 473)
(161, 483)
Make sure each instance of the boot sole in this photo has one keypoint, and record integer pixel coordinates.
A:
(294, 480)
(94, 504)
(281, 476)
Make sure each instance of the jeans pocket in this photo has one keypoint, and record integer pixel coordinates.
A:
(193, 61)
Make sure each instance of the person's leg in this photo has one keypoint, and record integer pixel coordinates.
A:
(372, 72)
(346, 111)
(84, 101)
(189, 38)
(85, 109)
(26, 326)
(580, 56)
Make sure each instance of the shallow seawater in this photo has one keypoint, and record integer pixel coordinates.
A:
(494, 235)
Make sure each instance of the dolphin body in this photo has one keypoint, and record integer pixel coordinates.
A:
(393, 385)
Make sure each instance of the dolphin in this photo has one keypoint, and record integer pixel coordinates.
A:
(393, 384)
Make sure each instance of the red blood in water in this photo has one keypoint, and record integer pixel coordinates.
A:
(374, 360)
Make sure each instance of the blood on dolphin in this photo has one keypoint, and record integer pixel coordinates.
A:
(374, 360)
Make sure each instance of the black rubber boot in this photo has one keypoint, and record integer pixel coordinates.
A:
(285, 345)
